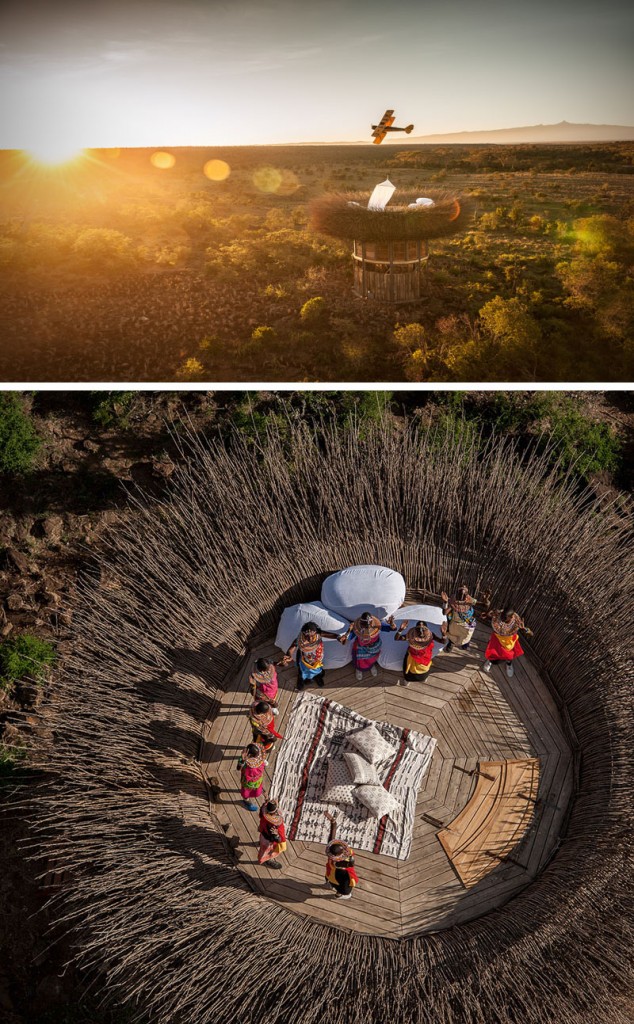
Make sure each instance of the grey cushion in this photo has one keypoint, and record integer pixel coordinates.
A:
(371, 744)
(339, 788)
(377, 800)
(361, 771)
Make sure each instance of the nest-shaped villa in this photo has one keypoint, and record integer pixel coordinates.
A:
(161, 890)
(390, 245)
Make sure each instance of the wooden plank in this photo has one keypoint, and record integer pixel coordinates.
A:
(490, 826)
(486, 720)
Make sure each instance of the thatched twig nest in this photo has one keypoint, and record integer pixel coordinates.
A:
(158, 907)
(335, 215)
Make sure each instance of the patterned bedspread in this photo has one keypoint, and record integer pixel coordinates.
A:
(316, 732)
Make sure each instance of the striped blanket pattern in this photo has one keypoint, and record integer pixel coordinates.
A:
(317, 731)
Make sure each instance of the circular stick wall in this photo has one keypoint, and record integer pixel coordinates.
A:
(155, 899)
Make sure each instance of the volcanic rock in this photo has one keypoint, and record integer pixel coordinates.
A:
(51, 528)
(15, 559)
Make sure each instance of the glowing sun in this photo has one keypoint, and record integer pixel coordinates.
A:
(54, 152)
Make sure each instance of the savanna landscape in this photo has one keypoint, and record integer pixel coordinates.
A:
(197, 264)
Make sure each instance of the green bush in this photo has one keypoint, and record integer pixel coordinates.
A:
(104, 249)
(10, 758)
(24, 656)
(19, 440)
(592, 447)
(263, 335)
(191, 370)
(113, 408)
(314, 311)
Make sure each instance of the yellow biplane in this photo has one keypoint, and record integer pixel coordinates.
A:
(380, 130)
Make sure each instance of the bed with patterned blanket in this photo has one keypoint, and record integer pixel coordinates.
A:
(318, 731)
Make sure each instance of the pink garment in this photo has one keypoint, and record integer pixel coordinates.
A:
(252, 782)
(365, 659)
(267, 691)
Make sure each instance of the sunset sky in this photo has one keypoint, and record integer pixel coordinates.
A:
(205, 72)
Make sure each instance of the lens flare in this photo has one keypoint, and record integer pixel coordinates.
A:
(267, 179)
(290, 183)
(162, 160)
(217, 170)
(53, 152)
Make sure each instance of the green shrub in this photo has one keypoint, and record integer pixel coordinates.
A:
(104, 249)
(24, 656)
(410, 336)
(114, 408)
(364, 406)
(263, 335)
(592, 447)
(19, 440)
(314, 311)
(191, 370)
(10, 758)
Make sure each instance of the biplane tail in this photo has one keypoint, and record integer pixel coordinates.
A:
(409, 129)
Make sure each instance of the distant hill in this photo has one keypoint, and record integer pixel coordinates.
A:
(555, 133)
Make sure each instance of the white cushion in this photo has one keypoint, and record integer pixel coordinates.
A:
(363, 588)
(377, 800)
(393, 651)
(371, 744)
(338, 789)
(361, 771)
(429, 613)
(336, 655)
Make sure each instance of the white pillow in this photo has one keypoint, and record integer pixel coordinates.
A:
(338, 789)
(336, 655)
(393, 651)
(429, 613)
(361, 771)
(371, 744)
(363, 588)
(377, 800)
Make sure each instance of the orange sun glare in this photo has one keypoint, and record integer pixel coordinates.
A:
(54, 152)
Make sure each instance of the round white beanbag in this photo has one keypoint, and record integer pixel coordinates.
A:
(363, 588)
(336, 655)
(393, 651)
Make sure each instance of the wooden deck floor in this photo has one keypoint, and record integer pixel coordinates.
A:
(474, 716)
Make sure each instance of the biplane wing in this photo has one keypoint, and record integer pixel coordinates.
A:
(379, 131)
(385, 125)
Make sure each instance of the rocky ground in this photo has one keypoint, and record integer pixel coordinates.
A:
(49, 521)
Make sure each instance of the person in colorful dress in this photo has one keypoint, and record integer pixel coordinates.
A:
(340, 871)
(460, 612)
(504, 642)
(366, 645)
(263, 682)
(420, 650)
(251, 765)
(262, 719)
(272, 834)
(308, 650)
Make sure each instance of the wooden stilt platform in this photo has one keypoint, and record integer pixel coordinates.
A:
(475, 717)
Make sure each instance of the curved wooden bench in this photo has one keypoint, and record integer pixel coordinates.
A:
(495, 818)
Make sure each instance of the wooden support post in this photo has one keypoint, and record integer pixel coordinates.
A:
(418, 267)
